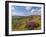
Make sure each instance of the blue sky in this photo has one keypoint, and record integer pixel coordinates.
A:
(25, 10)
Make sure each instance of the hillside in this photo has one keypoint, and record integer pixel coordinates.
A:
(21, 22)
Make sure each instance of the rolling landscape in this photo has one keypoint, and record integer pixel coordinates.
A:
(24, 22)
(26, 18)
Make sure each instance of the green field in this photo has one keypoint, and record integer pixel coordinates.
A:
(20, 23)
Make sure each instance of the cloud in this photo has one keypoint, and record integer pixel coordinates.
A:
(13, 8)
(27, 7)
(13, 13)
(31, 12)
(35, 12)
(17, 14)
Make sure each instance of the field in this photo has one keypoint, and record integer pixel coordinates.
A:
(20, 23)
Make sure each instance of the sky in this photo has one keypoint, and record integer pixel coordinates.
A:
(25, 10)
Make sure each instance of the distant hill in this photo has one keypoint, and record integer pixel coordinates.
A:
(23, 16)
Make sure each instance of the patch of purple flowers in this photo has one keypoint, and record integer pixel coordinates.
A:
(31, 24)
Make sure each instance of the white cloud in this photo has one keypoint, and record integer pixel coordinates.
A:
(13, 13)
(35, 12)
(32, 12)
(17, 14)
(27, 7)
(13, 8)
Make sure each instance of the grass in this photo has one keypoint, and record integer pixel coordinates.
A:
(19, 24)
